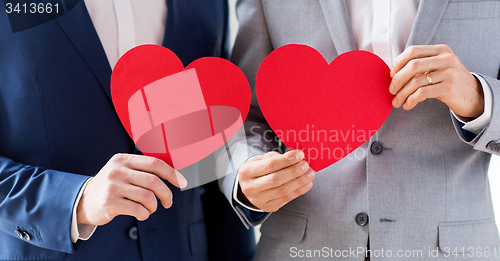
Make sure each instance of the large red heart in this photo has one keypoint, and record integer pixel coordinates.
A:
(178, 114)
(328, 110)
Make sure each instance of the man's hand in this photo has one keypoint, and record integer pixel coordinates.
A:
(127, 185)
(452, 83)
(272, 180)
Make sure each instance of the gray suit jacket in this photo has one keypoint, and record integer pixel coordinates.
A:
(428, 189)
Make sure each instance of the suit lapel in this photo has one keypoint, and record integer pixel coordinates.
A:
(426, 22)
(80, 30)
(339, 24)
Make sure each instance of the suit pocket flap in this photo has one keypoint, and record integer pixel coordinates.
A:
(472, 10)
(468, 236)
(285, 226)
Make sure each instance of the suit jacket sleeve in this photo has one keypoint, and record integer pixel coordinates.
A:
(488, 138)
(252, 45)
(40, 202)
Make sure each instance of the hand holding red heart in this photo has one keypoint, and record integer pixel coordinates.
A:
(452, 83)
(175, 113)
(326, 109)
(299, 92)
(127, 185)
(272, 180)
(300, 74)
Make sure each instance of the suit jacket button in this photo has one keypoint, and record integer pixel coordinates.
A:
(361, 219)
(133, 233)
(19, 233)
(26, 236)
(491, 145)
(496, 148)
(376, 148)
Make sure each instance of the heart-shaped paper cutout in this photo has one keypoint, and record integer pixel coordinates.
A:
(177, 114)
(328, 110)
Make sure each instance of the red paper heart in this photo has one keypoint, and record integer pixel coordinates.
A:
(178, 114)
(326, 110)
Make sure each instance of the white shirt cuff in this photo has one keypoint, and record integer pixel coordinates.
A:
(480, 123)
(80, 231)
(235, 196)
(235, 191)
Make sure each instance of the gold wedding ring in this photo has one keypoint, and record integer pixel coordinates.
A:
(429, 79)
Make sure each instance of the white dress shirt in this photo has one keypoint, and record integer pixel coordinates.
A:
(125, 24)
(383, 27)
(121, 25)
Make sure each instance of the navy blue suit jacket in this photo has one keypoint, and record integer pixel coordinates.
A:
(58, 126)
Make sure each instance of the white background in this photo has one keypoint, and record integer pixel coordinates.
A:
(494, 174)
(494, 170)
